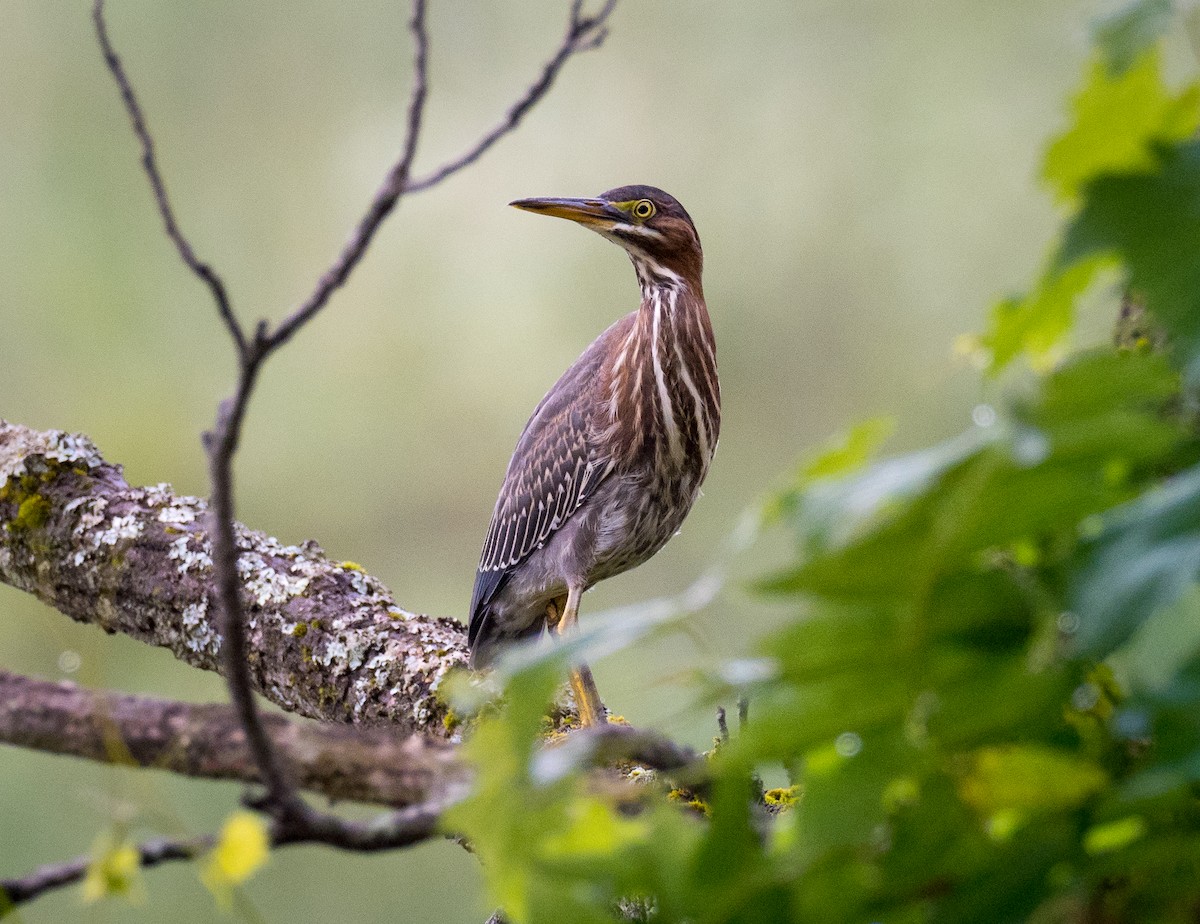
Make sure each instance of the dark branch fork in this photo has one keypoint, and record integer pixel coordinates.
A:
(294, 820)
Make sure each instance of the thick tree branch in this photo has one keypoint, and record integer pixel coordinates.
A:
(373, 764)
(326, 640)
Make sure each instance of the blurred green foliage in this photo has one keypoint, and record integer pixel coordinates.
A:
(988, 702)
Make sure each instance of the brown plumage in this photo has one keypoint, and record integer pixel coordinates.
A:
(614, 455)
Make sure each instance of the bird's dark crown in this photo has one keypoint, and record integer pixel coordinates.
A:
(666, 204)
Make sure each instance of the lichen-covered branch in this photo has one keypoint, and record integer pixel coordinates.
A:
(374, 764)
(326, 640)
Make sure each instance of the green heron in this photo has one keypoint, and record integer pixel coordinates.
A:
(613, 457)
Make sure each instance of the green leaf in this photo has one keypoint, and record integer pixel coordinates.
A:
(840, 457)
(832, 513)
(1037, 323)
(1119, 120)
(1147, 556)
(1151, 220)
(115, 869)
(1093, 386)
(851, 452)
(1127, 34)
(1029, 778)
(1114, 835)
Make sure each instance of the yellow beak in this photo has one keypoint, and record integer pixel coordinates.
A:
(595, 213)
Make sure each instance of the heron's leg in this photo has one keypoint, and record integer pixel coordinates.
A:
(587, 697)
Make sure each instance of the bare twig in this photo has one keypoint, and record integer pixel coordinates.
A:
(394, 186)
(583, 34)
(149, 163)
(389, 831)
(401, 828)
(222, 444)
(52, 876)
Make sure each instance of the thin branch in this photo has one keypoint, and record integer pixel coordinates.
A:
(583, 34)
(394, 186)
(375, 764)
(222, 445)
(389, 831)
(402, 828)
(52, 876)
(609, 745)
(149, 163)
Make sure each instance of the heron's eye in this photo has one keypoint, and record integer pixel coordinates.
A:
(643, 209)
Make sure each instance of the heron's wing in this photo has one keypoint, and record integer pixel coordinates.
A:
(556, 466)
(555, 469)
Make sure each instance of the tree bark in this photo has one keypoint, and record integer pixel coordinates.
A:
(378, 764)
(326, 640)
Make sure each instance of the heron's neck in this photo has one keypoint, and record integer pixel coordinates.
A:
(665, 375)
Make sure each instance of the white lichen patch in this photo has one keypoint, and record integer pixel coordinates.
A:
(358, 581)
(191, 559)
(343, 652)
(155, 495)
(177, 514)
(202, 636)
(91, 517)
(370, 590)
(20, 447)
(125, 527)
(265, 584)
(94, 530)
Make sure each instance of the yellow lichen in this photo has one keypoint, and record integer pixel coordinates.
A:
(782, 797)
(300, 630)
(690, 800)
(352, 566)
(32, 514)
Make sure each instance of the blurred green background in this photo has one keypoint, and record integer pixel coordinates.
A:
(862, 176)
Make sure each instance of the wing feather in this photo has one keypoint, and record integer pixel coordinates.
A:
(545, 485)
(557, 465)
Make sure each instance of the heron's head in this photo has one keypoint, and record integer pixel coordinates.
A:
(649, 224)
